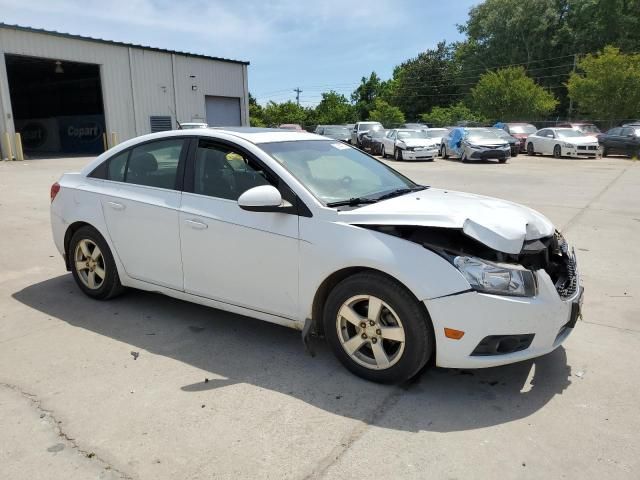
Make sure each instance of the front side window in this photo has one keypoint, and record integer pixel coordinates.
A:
(155, 164)
(223, 172)
(334, 172)
(614, 131)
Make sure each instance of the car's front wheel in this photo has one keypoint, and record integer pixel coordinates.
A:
(530, 151)
(382, 152)
(557, 151)
(92, 264)
(397, 154)
(377, 328)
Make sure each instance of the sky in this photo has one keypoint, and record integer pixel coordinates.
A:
(314, 45)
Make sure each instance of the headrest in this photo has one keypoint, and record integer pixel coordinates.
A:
(143, 163)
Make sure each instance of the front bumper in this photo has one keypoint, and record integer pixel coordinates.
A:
(426, 154)
(486, 154)
(591, 151)
(547, 316)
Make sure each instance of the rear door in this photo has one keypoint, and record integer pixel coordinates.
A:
(141, 210)
(248, 259)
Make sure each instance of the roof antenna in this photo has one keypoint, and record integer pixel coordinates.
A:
(175, 117)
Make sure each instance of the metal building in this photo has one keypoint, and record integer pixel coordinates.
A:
(63, 92)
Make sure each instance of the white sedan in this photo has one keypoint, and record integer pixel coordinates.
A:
(562, 142)
(407, 144)
(307, 232)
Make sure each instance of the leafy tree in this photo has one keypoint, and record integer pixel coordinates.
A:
(365, 95)
(334, 109)
(386, 114)
(445, 116)
(275, 114)
(543, 36)
(255, 113)
(607, 85)
(509, 94)
(424, 82)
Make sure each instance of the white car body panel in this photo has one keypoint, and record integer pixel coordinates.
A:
(426, 148)
(269, 265)
(545, 145)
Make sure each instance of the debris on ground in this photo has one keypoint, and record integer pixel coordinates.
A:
(135, 355)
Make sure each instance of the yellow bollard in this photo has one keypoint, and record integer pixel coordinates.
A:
(105, 142)
(19, 152)
(114, 139)
(7, 142)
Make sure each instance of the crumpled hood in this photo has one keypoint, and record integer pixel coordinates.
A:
(418, 142)
(501, 225)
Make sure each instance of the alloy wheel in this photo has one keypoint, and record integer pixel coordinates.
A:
(370, 332)
(89, 264)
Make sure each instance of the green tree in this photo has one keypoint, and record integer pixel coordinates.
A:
(607, 85)
(255, 113)
(365, 95)
(509, 94)
(275, 114)
(334, 109)
(446, 116)
(386, 114)
(543, 36)
(424, 82)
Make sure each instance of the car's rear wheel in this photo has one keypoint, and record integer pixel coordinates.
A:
(377, 328)
(382, 152)
(557, 151)
(92, 264)
(530, 151)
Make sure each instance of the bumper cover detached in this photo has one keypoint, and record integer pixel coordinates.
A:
(500, 330)
(423, 154)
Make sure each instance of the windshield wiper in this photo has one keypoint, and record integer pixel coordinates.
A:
(400, 191)
(352, 202)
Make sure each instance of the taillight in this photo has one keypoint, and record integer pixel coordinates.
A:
(55, 188)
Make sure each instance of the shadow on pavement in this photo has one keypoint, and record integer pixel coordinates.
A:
(237, 349)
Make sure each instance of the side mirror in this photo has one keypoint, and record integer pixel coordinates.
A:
(265, 198)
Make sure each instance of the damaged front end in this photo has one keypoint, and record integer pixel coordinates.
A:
(551, 254)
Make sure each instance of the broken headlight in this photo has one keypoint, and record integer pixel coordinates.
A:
(497, 278)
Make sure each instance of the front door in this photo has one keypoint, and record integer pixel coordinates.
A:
(141, 211)
(248, 259)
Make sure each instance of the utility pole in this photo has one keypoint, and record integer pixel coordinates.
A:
(573, 70)
(298, 92)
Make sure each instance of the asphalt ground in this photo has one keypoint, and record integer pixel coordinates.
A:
(145, 386)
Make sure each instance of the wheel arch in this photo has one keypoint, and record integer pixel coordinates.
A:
(71, 230)
(330, 282)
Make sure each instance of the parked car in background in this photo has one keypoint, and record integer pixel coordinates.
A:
(337, 132)
(291, 126)
(621, 141)
(414, 126)
(360, 129)
(436, 134)
(315, 235)
(521, 131)
(191, 125)
(582, 127)
(562, 142)
(473, 144)
(372, 140)
(514, 143)
(405, 144)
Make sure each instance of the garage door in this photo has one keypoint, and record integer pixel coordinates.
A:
(223, 111)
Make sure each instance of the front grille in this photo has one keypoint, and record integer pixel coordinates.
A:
(593, 147)
(582, 147)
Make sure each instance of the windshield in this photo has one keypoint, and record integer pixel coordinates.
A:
(568, 133)
(336, 131)
(335, 172)
(377, 133)
(480, 135)
(589, 129)
(526, 129)
(436, 132)
(412, 134)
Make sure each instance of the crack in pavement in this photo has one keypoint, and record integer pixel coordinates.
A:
(56, 425)
(607, 187)
(347, 441)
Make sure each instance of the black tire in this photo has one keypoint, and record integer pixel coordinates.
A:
(557, 151)
(110, 286)
(605, 152)
(444, 153)
(382, 152)
(397, 154)
(530, 151)
(419, 339)
(463, 158)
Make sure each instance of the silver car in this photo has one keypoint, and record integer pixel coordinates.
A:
(474, 145)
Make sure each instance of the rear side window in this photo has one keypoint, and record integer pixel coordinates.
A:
(116, 167)
(155, 164)
(614, 131)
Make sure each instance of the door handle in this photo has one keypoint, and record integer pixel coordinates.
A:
(116, 205)
(196, 225)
